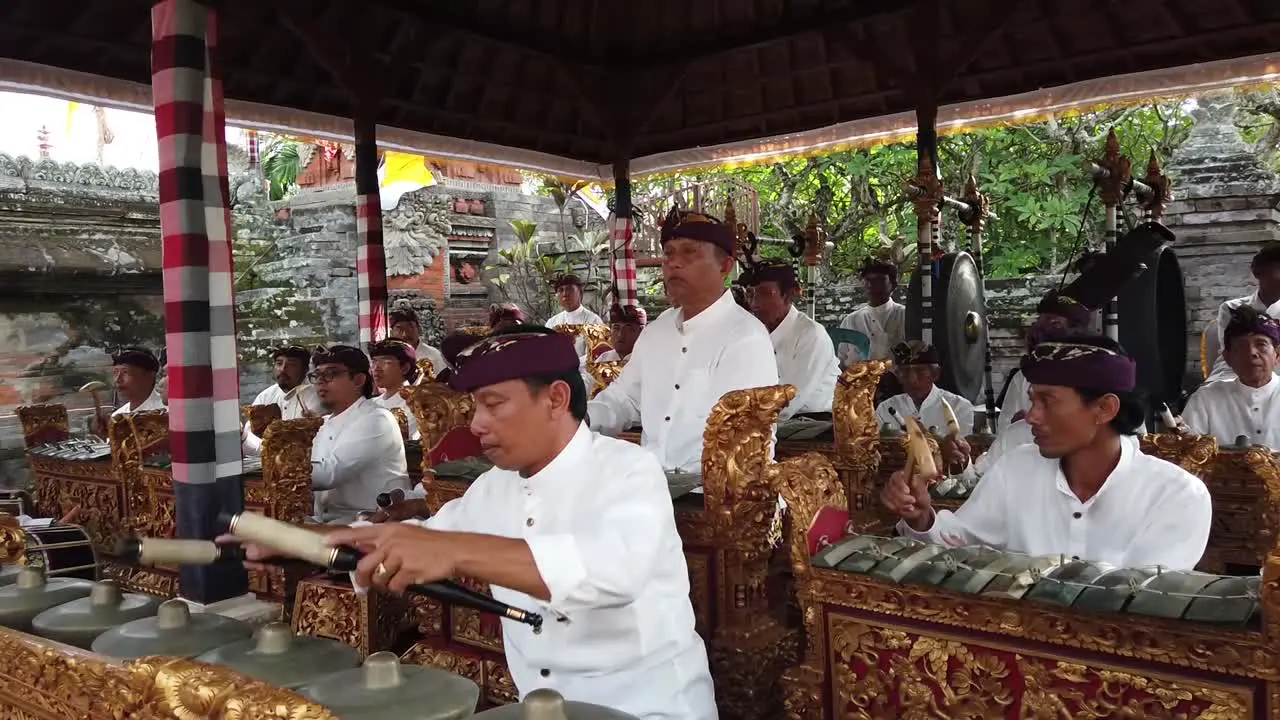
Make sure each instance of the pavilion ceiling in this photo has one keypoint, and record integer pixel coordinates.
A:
(596, 80)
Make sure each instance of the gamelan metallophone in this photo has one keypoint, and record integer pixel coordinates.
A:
(900, 628)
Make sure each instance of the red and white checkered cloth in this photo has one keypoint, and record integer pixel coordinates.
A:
(371, 264)
(624, 260)
(195, 222)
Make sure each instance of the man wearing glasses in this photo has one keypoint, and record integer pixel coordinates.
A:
(359, 451)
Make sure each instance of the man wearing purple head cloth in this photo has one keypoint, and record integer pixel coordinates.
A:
(575, 524)
(1265, 268)
(395, 367)
(687, 358)
(625, 326)
(1054, 314)
(1249, 404)
(1084, 490)
(290, 391)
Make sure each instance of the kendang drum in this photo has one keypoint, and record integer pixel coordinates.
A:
(16, 502)
(61, 551)
(383, 689)
(546, 704)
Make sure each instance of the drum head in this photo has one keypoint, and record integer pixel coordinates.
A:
(959, 322)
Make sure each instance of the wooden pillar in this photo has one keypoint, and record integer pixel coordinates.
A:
(371, 261)
(195, 223)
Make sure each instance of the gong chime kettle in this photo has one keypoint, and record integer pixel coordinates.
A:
(32, 593)
(278, 657)
(173, 632)
(545, 704)
(80, 622)
(384, 689)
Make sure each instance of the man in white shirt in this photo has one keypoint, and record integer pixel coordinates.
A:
(1086, 490)
(568, 289)
(806, 358)
(133, 372)
(602, 561)
(1265, 268)
(625, 326)
(359, 451)
(291, 392)
(881, 319)
(395, 368)
(918, 368)
(406, 326)
(1249, 404)
(1056, 313)
(690, 355)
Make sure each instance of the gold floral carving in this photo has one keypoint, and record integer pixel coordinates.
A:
(134, 437)
(43, 680)
(475, 330)
(260, 417)
(466, 627)
(499, 687)
(286, 468)
(402, 420)
(604, 373)
(427, 615)
(857, 439)
(592, 334)
(468, 666)
(37, 420)
(150, 581)
(369, 622)
(1193, 453)
(438, 409)
(1189, 645)
(189, 689)
(426, 371)
(13, 541)
(881, 671)
(92, 486)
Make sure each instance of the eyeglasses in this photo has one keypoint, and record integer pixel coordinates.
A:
(326, 376)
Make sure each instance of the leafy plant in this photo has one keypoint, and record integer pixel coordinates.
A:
(281, 164)
(524, 273)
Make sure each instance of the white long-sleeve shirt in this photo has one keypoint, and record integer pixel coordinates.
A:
(930, 411)
(807, 359)
(1017, 399)
(581, 316)
(1148, 512)
(620, 627)
(1016, 435)
(1229, 409)
(357, 454)
(678, 371)
(153, 402)
(1220, 369)
(436, 357)
(396, 401)
(884, 325)
(295, 403)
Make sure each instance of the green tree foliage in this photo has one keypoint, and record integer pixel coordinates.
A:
(1032, 173)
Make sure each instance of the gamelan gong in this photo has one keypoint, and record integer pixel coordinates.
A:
(1153, 326)
(959, 322)
(173, 631)
(278, 657)
(32, 594)
(80, 622)
(544, 704)
(383, 689)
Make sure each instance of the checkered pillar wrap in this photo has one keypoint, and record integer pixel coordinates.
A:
(195, 223)
(371, 260)
(621, 242)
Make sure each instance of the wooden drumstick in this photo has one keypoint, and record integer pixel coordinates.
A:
(920, 457)
(95, 388)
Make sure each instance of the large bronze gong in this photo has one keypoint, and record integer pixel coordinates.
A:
(1153, 326)
(959, 322)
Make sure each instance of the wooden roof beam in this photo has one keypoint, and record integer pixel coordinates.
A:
(767, 33)
(457, 17)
